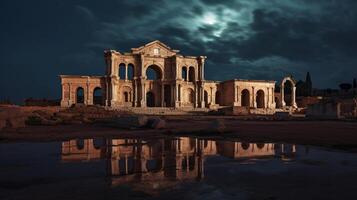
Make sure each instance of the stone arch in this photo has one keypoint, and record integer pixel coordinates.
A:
(80, 95)
(122, 71)
(191, 74)
(245, 98)
(150, 99)
(292, 100)
(153, 72)
(260, 145)
(98, 96)
(184, 73)
(126, 93)
(245, 145)
(260, 99)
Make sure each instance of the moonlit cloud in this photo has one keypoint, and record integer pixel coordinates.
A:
(256, 39)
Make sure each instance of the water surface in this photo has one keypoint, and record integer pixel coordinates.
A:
(174, 168)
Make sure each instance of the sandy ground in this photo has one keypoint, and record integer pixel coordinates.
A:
(324, 133)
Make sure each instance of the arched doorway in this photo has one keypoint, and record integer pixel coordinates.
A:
(80, 95)
(191, 74)
(97, 96)
(260, 99)
(150, 99)
(206, 98)
(153, 72)
(245, 98)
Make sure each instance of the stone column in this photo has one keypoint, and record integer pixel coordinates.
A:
(267, 102)
(202, 96)
(196, 95)
(236, 95)
(114, 92)
(254, 103)
(135, 92)
(177, 103)
(283, 104)
(126, 72)
(88, 100)
(106, 92)
(162, 95)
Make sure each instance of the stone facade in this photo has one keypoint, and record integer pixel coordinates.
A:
(154, 75)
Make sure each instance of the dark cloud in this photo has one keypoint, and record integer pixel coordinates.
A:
(242, 38)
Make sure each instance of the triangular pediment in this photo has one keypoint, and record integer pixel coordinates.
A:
(155, 48)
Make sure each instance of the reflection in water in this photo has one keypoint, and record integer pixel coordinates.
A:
(162, 162)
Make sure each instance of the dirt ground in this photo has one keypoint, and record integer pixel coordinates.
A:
(337, 134)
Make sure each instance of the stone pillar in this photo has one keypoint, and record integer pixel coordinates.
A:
(254, 103)
(162, 95)
(293, 97)
(283, 104)
(88, 99)
(196, 95)
(273, 97)
(202, 96)
(236, 96)
(126, 72)
(135, 92)
(114, 92)
(106, 92)
(177, 103)
(202, 62)
(141, 85)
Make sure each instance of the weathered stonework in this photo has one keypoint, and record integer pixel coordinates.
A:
(179, 83)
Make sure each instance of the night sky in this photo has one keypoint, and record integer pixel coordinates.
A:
(250, 39)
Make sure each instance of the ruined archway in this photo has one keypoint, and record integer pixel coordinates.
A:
(288, 92)
(245, 98)
(150, 99)
(153, 72)
(260, 99)
(80, 95)
(191, 74)
(98, 96)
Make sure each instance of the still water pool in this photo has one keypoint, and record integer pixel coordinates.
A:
(174, 168)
